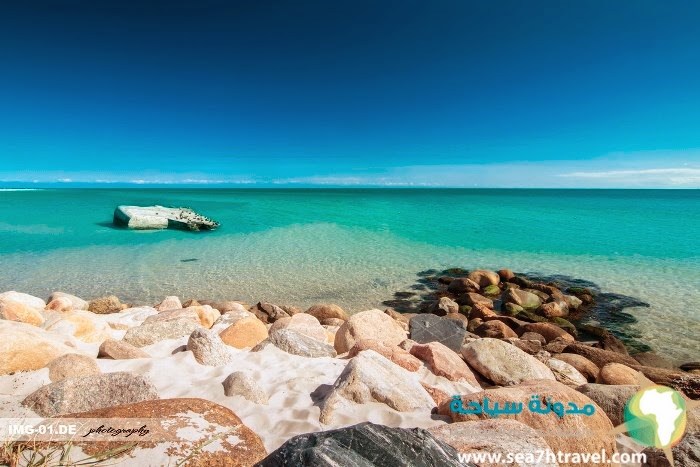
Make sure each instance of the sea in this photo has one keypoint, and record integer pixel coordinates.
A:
(361, 248)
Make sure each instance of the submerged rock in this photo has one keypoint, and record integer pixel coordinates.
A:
(364, 445)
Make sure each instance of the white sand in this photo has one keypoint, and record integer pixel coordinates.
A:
(294, 385)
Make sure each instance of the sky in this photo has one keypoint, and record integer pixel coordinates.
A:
(351, 93)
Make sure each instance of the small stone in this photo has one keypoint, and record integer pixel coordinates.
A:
(242, 384)
(547, 330)
(472, 298)
(120, 350)
(444, 306)
(484, 277)
(208, 348)
(169, 303)
(522, 298)
(60, 304)
(495, 329)
(506, 274)
(268, 313)
(586, 367)
(72, 365)
(325, 311)
(565, 373)
(553, 309)
(533, 336)
(105, 305)
(463, 285)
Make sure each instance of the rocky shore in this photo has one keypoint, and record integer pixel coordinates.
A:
(269, 384)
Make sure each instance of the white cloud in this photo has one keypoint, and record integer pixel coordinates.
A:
(674, 176)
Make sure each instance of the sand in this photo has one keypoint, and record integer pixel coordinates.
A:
(294, 385)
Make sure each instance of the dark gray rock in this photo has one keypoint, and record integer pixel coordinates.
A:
(425, 328)
(364, 445)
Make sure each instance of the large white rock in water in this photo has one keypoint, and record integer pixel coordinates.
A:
(503, 363)
(370, 377)
(159, 217)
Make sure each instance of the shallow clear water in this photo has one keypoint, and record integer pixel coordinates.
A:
(358, 247)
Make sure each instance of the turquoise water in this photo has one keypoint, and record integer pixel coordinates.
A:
(358, 247)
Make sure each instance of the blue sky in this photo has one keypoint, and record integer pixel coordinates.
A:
(379, 93)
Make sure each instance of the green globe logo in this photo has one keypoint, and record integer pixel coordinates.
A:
(656, 416)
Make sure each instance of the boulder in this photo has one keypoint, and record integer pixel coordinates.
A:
(685, 454)
(268, 313)
(336, 322)
(77, 302)
(553, 310)
(302, 323)
(203, 315)
(573, 302)
(60, 304)
(496, 329)
(169, 303)
(370, 324)
(90, 392)
(586, 367)
(506, 274)
(18, 311)
(396, 354)
(484, 277)
(364, 445)
(230, 318)
(565, 373)
(463, 285)
(325, 311)
(208, 348)
(472, 298)
(400, 318)
(129, 317)
(23, 298)
(25, 347)
(242, 384)
(574, 432)
(547, 330)
(651, 359)
(106, 305)
(150, 333)
(72, 365)
(161, 217)
(120, 350)
(526, 300)
(617, 374)
(533, 336)
(247, 332)
(531, 347)
(296, 343)
(687, 383)
(369, 377)
(425, 328)
(491, 291)
(502, 363)
(611, 399)
(442, 361)
(82, 325)
(444, 306)
(193, 432)
(497, 436)
(599, 356)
